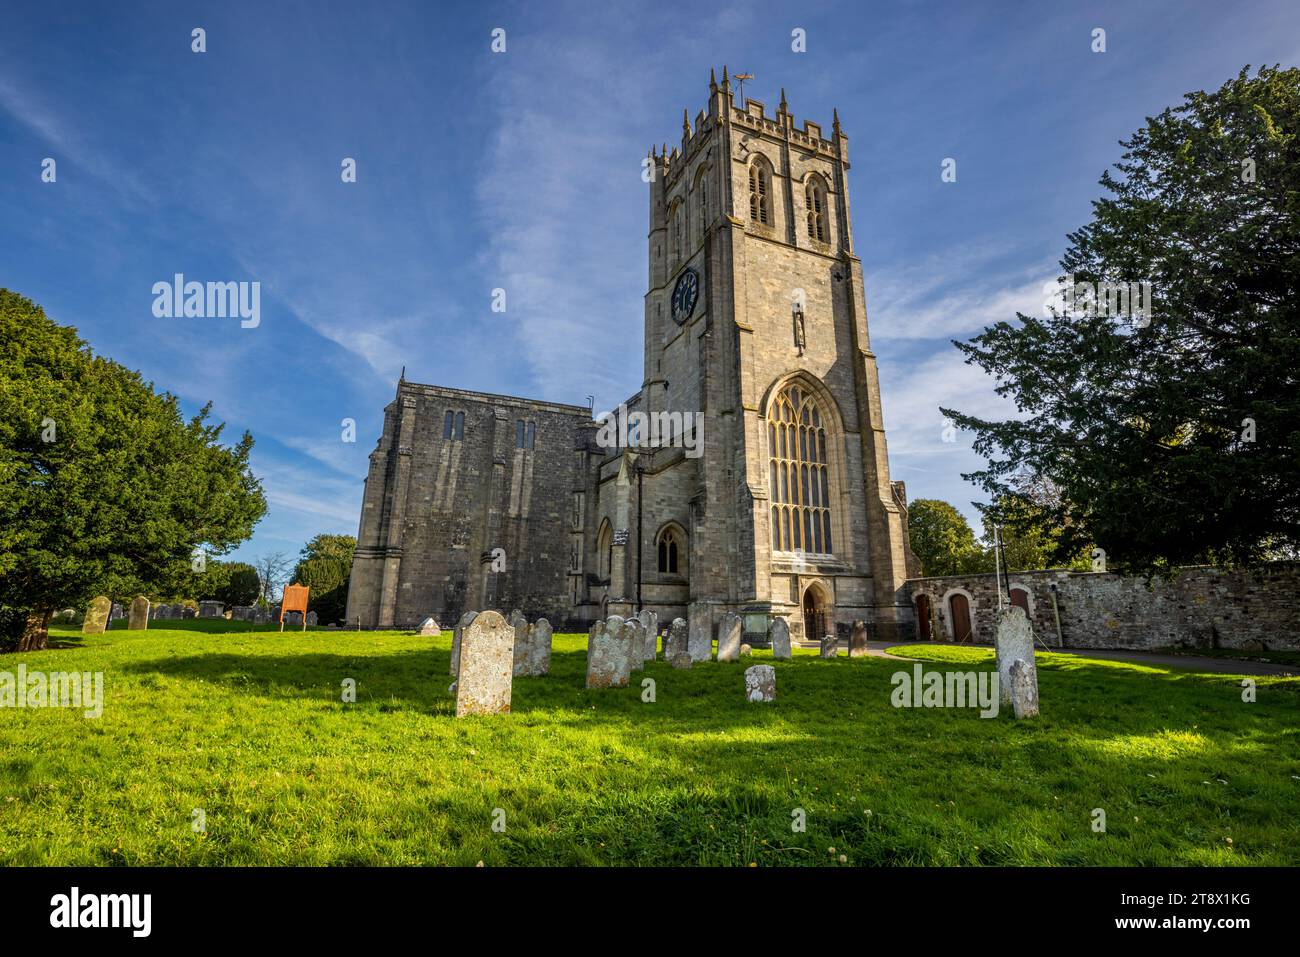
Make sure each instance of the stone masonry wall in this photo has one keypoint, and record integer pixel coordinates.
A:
(1246, 609)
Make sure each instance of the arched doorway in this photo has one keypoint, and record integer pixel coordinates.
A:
(959, 614)
(923, 617)
(816, 614)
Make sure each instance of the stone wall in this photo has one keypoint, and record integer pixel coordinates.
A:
(1246, 609)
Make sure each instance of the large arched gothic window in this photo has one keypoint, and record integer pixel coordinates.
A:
(760, 193)
(799, 473)
(815, 200)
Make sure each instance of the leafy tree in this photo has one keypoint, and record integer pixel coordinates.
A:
(242, 585)
(1174, 436)
(941, 538)
(325, 564)
(104, 487)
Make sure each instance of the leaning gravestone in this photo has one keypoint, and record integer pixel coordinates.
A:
(729, 632)
(675, 643)
(96, 616)
(484, 681)
(608, 665)
(428, 627)
(457, 633)
(780, 633)
(1023, 678)
(830, 646)
(539, 648)
(139, 613)
(858, 640)
(520, 624)
(1015, 639)
(760, 683)
(700, 642)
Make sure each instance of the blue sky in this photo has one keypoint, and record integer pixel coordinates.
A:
(522, 171)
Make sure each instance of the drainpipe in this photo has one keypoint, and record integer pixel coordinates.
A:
(640, 498)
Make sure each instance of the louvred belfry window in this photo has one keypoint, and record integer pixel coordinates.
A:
(799, 474)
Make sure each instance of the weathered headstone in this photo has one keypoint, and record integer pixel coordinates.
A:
(858, 640)
(780, 633)
(520, 624)
(650, 628)
(96, 616)
(118, 612)
(189, 612)
(139, 613)
(211, 609)
(1015, 639)
(682, 660)
(635, 637)
(830, 646)
(428, 627)
(484, 681)
(312, 619)
(1023, 678)
(677, 637)
(539, 648)
(457, 633)
(729, 631)
(608, 665)
(760, 683)
(746, 651)
(700, 642)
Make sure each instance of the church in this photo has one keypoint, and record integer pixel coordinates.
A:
(765, 493)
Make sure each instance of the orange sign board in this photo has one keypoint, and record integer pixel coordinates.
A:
(294, 599)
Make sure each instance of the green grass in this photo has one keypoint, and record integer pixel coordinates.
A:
(249, 726)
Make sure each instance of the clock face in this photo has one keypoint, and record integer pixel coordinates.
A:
(685, 293)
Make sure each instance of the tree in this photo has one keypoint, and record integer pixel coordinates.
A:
(242, 585)
(941, 538)
(105, 488)
(1173, 435)
(271, 569)
(325, 564)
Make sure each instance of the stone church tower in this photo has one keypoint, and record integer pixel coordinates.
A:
(768, 492)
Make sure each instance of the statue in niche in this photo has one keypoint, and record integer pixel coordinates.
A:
(800, 340)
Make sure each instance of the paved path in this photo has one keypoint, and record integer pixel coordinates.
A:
(1214, 666)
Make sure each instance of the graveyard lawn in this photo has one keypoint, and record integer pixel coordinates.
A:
(249, 728)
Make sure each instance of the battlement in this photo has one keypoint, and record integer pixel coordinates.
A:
(750, 115)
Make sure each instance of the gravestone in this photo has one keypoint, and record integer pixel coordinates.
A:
(1023, 678)
(682, 660)
(118, 612)
(780, 633)
(858, 640)
(746, 651)
(520, 624)
(634, 635)
(1015, 639)
(608, 665)
(830, 646)
(428, 627)
(96, 616)
(729, 630)
(760, 683)
(211, 609)
(312, 619)
(139, 613)
(456, 635)
(188, 612)
(539, 648)
(484, 681)
(700, 641)
(675, 643)
(650, 627)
